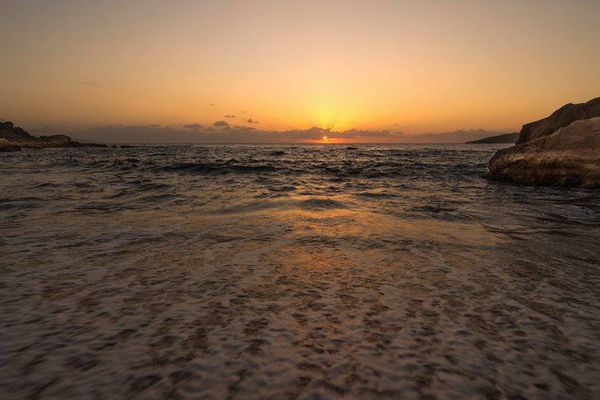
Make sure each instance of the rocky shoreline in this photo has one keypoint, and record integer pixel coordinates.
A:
(560, 150)
(14, 138)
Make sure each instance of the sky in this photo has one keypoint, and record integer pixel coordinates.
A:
(293, 70)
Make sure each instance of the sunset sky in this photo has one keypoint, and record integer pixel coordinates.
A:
(410, 66)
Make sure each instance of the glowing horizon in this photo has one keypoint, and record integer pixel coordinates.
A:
(282, 65)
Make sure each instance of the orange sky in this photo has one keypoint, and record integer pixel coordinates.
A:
(413, 66)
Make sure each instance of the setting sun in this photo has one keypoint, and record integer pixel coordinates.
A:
(350, 72)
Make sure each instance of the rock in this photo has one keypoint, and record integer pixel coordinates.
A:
(14, 136)
(55, 139)
(6, 125)
(6, 146)
(559, 119)
(562, 149)
(13, 133)
(570, 156)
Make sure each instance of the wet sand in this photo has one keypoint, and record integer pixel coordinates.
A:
(317, 304)
(293, 272)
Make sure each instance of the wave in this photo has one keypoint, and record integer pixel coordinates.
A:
(195, 167)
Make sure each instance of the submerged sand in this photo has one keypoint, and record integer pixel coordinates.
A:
(293, 272)
(329, 304)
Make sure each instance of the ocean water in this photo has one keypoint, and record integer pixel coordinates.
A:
(293, 271)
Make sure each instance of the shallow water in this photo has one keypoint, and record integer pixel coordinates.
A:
(301, 272)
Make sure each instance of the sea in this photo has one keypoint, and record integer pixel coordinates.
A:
(293, 272)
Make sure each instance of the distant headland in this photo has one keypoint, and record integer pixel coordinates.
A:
(14, 138)
(505, 138)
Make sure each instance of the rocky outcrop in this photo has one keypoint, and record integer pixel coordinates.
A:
(6, 146)
(559, 119)
(570, 156)
(562, 149)
(14, 138)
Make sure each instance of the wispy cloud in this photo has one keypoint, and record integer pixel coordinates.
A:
(229, 116)
(251, 121)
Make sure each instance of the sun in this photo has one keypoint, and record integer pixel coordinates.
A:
(325, 138)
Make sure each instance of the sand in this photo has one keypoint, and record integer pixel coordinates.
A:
(303, 304)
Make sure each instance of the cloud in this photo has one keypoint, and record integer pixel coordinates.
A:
(212, 105)
(228, 116)
(243, 128)
(222, 132)
(251, 121)
(89, 83)
(136, 134)
(192, 126)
